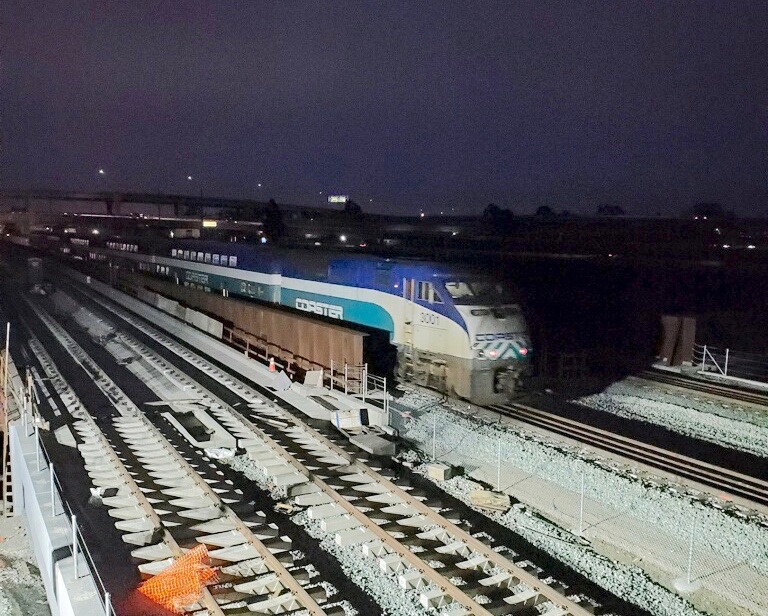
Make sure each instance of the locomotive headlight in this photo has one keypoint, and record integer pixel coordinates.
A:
(493, 353)
(523, 351)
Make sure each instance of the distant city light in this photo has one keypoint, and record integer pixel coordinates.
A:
(726, 245)
(210, 224)
(343, 238)
(259, 184)
(318, 244)
(189, 177)
(95, 231)
(750, 246)
(338, 198)
(421, 215)
(101, 171)
(263, 240)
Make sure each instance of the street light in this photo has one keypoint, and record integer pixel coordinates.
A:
(101, 171)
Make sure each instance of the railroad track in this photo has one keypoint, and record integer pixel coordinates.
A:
(732, 484)
(714, 389)
(180, 505)
(424, 550)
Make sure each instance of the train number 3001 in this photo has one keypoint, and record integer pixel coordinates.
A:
(428, 318)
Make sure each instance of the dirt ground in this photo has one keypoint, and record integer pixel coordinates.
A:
(21, 587)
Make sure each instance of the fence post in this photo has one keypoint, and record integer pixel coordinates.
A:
(346, 377)
(581, 506)
(74, 542)
(108, 604)
(703, 358)
(498, 469)
(685, 584)
(725, 368)
(53, 489)
(434, 438)
(37, 447)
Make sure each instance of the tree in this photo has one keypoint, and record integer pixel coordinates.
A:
(610, 210)
(491, 211)
(352, 208)
(497, 216)
(544, 211)
(707, 211)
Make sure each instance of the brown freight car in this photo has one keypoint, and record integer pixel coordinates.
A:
(297, 342)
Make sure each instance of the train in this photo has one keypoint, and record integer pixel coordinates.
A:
(451, 328)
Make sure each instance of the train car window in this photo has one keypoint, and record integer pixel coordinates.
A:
(173, 252)
(207, 257)
(436, 296)
(200, 256)
(233, 261)
(480, 312)
(216, 259)
(186, 254)
(424, 290)
(457, 290)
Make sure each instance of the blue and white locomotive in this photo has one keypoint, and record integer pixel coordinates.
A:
(453, 329)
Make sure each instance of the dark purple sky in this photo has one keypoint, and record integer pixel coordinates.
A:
(652, 105)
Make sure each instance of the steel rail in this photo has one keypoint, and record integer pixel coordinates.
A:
(277, 567)
(715, 389)
(752, 489)
(461, 598)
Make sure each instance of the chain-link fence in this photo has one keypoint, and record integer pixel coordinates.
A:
(685, 541)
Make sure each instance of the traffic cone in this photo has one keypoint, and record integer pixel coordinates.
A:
(271, 364)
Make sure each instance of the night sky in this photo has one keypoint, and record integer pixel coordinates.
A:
(649, 105)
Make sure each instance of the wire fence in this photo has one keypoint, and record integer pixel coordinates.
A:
(729, 363)
(682, 541)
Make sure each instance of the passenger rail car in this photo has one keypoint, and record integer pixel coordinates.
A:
(455, 330)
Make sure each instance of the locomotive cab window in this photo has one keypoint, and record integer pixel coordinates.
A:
(457, 290)
(427, 293)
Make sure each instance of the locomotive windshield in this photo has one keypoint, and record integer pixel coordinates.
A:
(477, 291)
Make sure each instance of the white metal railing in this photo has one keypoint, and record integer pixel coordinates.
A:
(355, 380)
(729, 363)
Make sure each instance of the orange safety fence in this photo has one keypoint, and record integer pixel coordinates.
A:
(182, 583)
